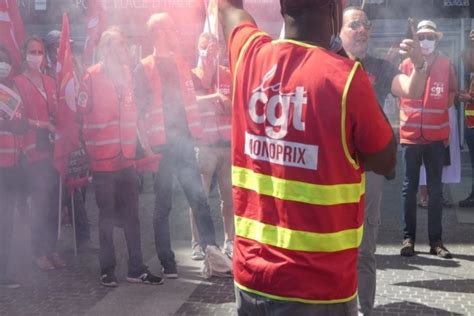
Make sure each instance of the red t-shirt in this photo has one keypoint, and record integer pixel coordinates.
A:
(367, 131)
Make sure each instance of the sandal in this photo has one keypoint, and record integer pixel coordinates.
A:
(423, 203)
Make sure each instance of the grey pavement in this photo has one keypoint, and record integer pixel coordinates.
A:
(422, 285)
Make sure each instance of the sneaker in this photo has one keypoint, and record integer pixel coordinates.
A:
(146, 278)
(408, 248)
(228, 248)
(467, 202)
(170, 272)
(440, 250)
(8, 284)
(57, 261)
(44, 263)
(197, 253)
(108, 280)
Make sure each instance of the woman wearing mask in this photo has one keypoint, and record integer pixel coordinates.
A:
(11, 127)
(38, 94)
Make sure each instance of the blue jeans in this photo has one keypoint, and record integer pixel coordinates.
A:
(179, 160)
(249, 304)
(469, 136)
(432, 155)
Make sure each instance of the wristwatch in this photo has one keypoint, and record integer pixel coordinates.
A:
(421, 66)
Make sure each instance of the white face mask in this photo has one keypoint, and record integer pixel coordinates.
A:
(427, 46)
(5, 70)
(34, 61)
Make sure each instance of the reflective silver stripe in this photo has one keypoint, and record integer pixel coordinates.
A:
(103, 142)
(128, 142)
(209, 113)
(427, 126)
(6, 133)
(226, 127)
(30, 147)
(194, 124)
(215, 129)
(7, 150)
(98, 126)
(191, 107)
(156, 129)
(154, 112)
(416, 110)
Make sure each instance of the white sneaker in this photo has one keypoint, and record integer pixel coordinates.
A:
(228, 248)
(197, 253)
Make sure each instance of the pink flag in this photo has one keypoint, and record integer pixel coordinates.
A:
(67, 128)
(12, 33)
(96, 23)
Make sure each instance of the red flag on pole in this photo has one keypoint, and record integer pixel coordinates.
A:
(67, 128)
(12, 33)
(96, 22)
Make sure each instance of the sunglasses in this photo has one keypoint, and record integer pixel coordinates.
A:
(426, 37)
(357, 24)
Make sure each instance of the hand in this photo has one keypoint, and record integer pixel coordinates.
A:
(411, 49)
(225, 104)
(464, 96)
(50, 127)
(471, 35)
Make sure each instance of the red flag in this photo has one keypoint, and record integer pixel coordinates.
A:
(12, 33)
(67, 128)
(96, 22)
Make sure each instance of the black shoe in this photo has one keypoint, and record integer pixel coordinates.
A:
(467, 202)
(440, 250)
(108, 280)
(146, 278)
(408, 248)
(170, 272)
(6, 283)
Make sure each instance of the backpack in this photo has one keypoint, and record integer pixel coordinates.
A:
(216, 264)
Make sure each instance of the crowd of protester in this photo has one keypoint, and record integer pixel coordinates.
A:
(176, 120)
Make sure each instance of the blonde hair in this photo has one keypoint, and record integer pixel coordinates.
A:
(105, 40)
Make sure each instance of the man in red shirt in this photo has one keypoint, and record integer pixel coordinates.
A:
(304, 123)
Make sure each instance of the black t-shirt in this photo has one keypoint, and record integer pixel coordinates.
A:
(381, 74)
(176, 127)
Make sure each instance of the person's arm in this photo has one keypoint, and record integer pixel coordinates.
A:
(373, 136)
(412, 86)
(141, 91)
(231, 14)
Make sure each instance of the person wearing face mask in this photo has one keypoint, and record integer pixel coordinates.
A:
(108, 119)
(424, 133)
(11, 171)
(305, 121)
(213, 154)
(385, 79)
(38, 95)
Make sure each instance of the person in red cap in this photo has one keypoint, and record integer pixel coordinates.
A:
(305, 122)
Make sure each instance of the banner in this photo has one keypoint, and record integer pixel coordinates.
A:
(9, 102)
(12, 33)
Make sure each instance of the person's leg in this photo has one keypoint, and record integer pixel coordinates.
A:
(127, 203)
(412, 159)
(7, 207)
(366, 264)
(51, 180)
(469, 137)
(105, 189)
(82, 221)
(188, 175)
(433, 157)
(163, 187)
(225, 190)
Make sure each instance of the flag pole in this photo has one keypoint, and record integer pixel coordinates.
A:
(73, 211)
(60, 206)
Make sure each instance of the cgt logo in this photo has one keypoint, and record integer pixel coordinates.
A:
(437, 90)
(269, 106)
